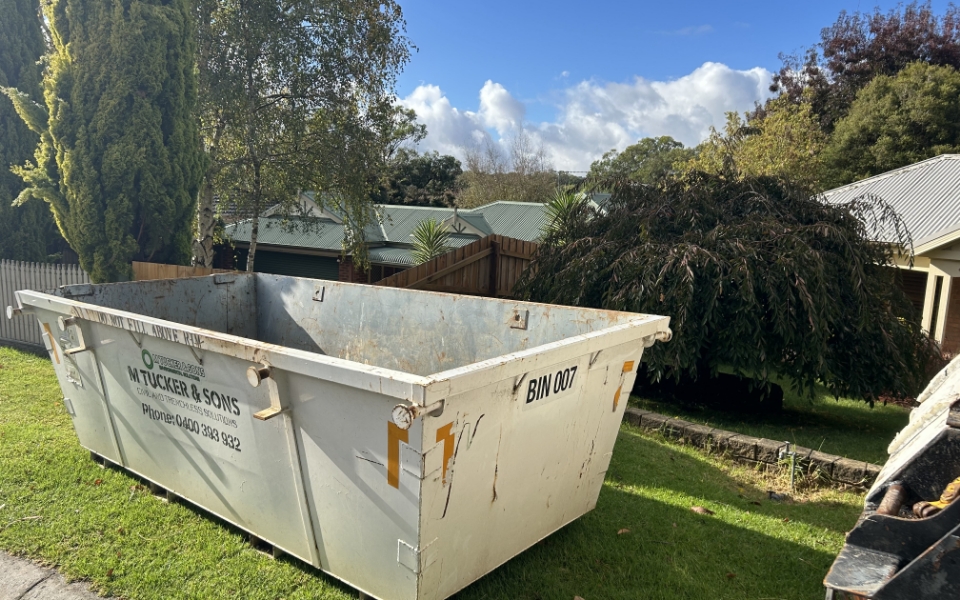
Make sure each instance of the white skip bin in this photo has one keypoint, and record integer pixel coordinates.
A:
(405, 442)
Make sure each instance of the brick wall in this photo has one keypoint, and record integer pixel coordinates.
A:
(349, 273)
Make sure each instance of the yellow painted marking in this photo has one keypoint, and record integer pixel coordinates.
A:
(53, 343)
(628, 366)
(445, 435)
(395, 435)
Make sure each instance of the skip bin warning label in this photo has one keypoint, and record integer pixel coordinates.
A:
(182, 399)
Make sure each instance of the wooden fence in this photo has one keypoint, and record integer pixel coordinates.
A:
(40, 277)
(146, 271)
(488, 267)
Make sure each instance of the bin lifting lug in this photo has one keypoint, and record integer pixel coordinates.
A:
(255, 376)
(76, 335)
(404, 415)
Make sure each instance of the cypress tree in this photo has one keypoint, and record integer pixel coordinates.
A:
(119, 158)
(27, 232)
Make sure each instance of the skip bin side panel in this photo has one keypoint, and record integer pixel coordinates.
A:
(524, 461)
(185, 421)
(82, 390)
(611, 380)
(363, 477)
(223, 302)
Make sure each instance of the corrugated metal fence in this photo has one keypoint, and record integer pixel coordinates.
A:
(16, 275)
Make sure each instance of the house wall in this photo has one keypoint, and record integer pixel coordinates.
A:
(349, 273)
(914, 285)
(294, 265)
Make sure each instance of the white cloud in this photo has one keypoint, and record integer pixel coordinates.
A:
(449, 130)
(498, 109)
(592, 116)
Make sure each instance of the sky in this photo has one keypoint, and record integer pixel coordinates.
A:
(582, 78)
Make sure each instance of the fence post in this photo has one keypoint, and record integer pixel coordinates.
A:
(494, 267)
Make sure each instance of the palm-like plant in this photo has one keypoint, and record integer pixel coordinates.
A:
(560, 209)
(430, 240)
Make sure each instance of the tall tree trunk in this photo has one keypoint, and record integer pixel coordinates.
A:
(206, 223)
(255, 220)
(254, 229)
(206, 211)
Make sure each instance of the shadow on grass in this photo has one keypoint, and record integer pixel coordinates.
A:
(843, 427)
(743, 551)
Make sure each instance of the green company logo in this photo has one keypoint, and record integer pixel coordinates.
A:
(147, 359)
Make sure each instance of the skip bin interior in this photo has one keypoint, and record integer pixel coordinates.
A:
(416, 332)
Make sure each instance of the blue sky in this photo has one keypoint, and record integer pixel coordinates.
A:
(585, 77)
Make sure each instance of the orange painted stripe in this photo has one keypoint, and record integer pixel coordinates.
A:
(445, 435)
(395, 435)
(53, 343)
(627, 367)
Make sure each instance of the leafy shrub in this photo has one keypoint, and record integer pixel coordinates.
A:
(760, 277)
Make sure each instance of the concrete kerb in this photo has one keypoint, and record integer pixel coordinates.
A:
(21, 579)
(755, 451)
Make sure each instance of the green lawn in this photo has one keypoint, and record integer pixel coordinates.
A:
(97, 524)
(843, 427)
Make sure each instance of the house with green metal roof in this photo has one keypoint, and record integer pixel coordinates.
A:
(311, 245)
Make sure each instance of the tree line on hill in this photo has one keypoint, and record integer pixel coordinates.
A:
(877, 92)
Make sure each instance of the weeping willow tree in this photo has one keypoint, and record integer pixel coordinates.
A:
(119, 160)
(27, 231)
(757, 276)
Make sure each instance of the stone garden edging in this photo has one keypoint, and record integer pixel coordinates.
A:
(753, 450)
